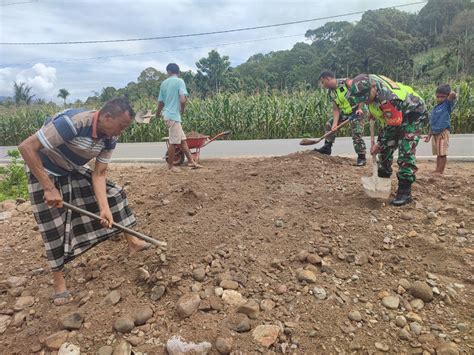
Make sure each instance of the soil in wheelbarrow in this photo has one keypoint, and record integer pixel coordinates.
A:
(324, 269)
(194, 134)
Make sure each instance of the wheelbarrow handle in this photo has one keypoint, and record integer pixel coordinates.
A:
(116, 225)
(225, 133)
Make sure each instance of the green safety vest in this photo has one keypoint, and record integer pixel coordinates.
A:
(341, 101)
(399, 89)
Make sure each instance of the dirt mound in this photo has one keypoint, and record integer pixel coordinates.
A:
(194, 134)
(285, 254)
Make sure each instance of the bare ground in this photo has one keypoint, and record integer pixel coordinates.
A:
(254, 222)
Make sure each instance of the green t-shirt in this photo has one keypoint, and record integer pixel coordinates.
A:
(170, 90)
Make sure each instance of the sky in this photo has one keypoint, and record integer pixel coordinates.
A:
(48, 68)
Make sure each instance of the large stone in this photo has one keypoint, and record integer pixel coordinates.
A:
(7, 205)
(233, 298)
(157, 292)
(55, 340)
(306, 275)
(19, 318)
(105, 350)
(447, 349)
(229, 285)
(362, 258)
(391, 302)
(177, 346)
(112, 298)
(69, 349)
(142, 315)
(5, 215)
(422, 290)
(224, 345)
(250, 308)
(71, 321)
(188, 304)
(14, 281)
(319, 293)
(238, 322)
(123, 348)
(23, 302)
(199, 274)
(4, 323)
(355, 316)
(266, 335)
(124, 324)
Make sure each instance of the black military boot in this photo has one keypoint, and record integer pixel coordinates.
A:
(403, 193)
(361, 160)
(325, 149)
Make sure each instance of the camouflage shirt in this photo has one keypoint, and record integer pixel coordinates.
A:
(341, 83)
(385, 87)
(412, 103)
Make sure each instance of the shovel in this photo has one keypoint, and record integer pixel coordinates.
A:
(144, 237)
(375, 186)
(306, 141)
(143, 116)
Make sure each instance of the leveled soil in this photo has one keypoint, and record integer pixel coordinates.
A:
(254, 221)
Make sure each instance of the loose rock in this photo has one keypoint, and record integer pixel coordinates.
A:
(23, 302)
(4, 323)
(266, 335)
(124, 324)
(319, 293)
(224, 345)
(250, 308)
(69, 349)
(112, 298)
(447, 349)
(54, 341)
(306, 275)
(105, 350)
(233, 298)
(142, 315)
(229, 285)
(199, 274)
(355, 316)
(71, 321)
(422, 291)
(188, 304)
(391, 302)
(123, 348)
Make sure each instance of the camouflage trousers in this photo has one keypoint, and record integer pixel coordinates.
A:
(405, 138)
(357, 129)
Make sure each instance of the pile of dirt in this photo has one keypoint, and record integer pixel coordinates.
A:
(194, 134)
(279, 254)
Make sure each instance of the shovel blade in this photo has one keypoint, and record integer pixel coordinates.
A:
(376, 187)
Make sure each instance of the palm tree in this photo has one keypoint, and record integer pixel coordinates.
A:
(63, 94)
(22, 93)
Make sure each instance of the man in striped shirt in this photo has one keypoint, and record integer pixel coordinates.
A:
(56, 158)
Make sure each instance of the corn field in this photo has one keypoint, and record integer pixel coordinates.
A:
(260, 116)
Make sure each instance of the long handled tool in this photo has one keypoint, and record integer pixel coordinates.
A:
(375, 186)
(306, 141)
(116, 225)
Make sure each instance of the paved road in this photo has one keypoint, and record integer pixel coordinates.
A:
(461, 148)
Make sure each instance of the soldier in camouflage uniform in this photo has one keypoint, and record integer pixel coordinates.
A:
(343, 109)
(401, 112)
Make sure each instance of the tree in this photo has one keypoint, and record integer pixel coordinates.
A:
(214, 72)
(21, 93)
(460, 38)
(329, 35)
(108, 93)
(63, 94)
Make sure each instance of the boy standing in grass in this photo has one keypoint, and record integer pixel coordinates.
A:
(440, 123)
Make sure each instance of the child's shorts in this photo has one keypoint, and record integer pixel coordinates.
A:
(440, 143)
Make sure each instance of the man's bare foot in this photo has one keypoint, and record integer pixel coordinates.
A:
(195, 165)
(135, 248)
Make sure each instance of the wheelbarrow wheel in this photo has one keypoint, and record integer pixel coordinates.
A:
(178, 157)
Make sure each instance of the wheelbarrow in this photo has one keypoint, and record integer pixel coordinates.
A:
(195, 144)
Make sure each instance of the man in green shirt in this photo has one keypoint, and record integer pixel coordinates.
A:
(171, 102)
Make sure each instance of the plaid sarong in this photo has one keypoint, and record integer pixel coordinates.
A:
(67, 234)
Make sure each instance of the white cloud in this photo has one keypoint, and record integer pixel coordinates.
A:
(41, 78)
(52, 21)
